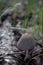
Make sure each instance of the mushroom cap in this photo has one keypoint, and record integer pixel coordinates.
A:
(26, 42)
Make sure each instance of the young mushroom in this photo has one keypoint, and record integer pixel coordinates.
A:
(26, 42)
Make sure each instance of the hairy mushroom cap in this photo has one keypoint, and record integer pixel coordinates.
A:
(26, 42)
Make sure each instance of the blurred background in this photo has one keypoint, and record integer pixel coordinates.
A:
(28, 13)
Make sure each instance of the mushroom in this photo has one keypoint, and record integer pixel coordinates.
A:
(26, 42)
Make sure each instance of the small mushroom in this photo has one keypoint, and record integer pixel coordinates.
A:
(26, 42)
